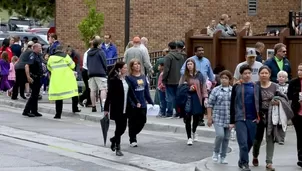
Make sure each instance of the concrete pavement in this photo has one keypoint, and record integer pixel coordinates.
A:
(153, 123)
(79, 139)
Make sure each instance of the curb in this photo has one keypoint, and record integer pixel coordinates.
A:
(149, 126)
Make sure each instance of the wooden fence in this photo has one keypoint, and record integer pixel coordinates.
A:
(229, 51)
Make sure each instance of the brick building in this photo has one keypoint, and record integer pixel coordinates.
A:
(164, 20)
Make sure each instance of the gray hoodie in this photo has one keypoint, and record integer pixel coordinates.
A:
(173, 63)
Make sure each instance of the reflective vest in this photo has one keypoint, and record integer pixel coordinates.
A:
(63, 83)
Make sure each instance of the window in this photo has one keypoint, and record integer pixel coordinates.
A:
(252, 7)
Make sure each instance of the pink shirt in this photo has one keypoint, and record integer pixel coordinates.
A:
(160, 84)
(12, 73)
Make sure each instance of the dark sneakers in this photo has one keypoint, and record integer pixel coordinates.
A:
(37, 114)
(243, 167)
(299, 163)
(93, 108)
(28, 114)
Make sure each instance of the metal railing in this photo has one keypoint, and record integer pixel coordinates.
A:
(154, 55)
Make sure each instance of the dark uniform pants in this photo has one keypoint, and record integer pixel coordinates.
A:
(59, 105)
(32, 103)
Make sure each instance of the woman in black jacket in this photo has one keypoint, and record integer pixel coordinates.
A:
(118, 101)
(295, 96)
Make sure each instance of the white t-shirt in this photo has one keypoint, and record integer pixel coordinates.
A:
(126, 88)
(255, 69)
(85, 59)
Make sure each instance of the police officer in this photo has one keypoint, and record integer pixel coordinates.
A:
(33, 70)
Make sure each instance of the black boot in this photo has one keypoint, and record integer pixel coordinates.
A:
(118, 150)
(113, 145)
(57, 116)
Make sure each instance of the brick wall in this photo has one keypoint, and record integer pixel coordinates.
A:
(164, 20)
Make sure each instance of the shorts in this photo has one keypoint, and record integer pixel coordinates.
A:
(97, 83)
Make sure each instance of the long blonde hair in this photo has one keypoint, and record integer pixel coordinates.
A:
(131, 63)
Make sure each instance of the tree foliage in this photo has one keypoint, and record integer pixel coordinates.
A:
(38, 9)
(92, 24)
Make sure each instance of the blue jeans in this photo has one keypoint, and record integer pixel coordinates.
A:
(222, 140)
(245, 131)
(170, 98)
(163, 102)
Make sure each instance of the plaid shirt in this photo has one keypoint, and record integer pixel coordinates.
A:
(220, 101)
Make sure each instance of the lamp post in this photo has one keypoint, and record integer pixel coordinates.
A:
(127, 22)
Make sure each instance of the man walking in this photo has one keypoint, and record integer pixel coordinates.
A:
(251, 61)
(279, 62)
(173, 62)
(97, 72)
(137, 52)
(110, 50)
(33, 70)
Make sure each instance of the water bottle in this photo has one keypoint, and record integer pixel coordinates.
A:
(233, 136)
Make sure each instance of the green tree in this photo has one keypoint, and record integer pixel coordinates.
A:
(92, 24)
(38, 9)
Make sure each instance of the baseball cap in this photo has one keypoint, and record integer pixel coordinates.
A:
(30, 43)
(136, 40)
(251, 52)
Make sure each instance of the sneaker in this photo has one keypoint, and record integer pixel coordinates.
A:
(245, 167)
(134, 144)
(223, 160)
(201, 123)
(299, 163)
(44, 93)
(93, 109)
(190, 142)
(240, 165)
(215, 157)
(195, 137)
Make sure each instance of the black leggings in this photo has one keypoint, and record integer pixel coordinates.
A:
(136, 122)
(187, 120)
(120, 127)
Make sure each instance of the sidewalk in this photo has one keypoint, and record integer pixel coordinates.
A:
(285, 157)
(153, 123)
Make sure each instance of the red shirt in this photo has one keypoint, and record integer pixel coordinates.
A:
(9, 52)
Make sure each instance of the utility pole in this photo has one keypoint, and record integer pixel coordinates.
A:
(127, 22)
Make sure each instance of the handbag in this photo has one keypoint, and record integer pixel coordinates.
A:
(188, 106)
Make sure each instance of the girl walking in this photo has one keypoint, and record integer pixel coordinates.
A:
(138, 116)
(12, 75)
(119, 107)
(197, 91)
(4, 71)
(218, 110)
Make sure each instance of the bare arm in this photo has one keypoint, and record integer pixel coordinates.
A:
(29, 79)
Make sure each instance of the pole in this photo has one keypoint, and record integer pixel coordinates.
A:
(127, 22)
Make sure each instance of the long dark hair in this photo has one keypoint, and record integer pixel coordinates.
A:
(115, 70)
(5, 43)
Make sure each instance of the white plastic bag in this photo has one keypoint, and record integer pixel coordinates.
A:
(152, 110)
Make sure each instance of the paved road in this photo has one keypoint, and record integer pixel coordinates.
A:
(44, 144)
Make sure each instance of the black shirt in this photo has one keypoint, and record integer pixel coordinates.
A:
(35, 64)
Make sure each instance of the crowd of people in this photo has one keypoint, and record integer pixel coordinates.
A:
(260, 97)
(229, 29)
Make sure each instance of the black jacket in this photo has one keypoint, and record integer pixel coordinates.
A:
(115, 102)
(294, 88)
(96, 63)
